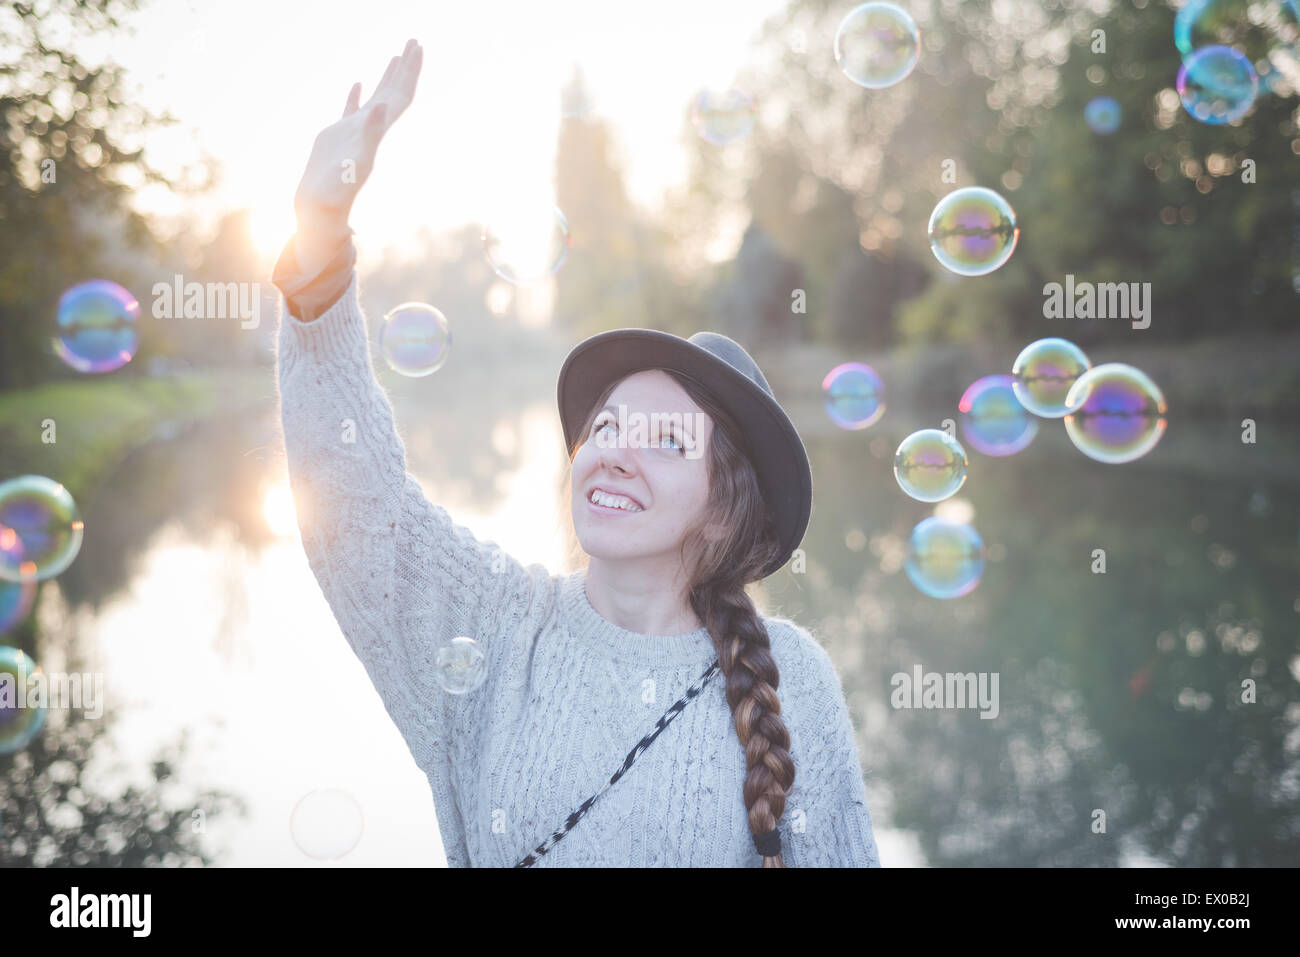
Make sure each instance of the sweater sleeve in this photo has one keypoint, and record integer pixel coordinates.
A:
(829, 821)
(401, 578)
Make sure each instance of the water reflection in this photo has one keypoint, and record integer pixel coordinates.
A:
(232, 694)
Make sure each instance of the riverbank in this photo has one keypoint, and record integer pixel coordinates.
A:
(77, 431)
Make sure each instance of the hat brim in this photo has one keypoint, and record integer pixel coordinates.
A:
(771, 442)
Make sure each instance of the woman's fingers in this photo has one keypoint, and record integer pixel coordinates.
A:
(354, 100)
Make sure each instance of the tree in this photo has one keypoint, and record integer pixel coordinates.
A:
(64, 174)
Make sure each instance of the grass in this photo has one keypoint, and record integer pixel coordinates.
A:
(95, 422)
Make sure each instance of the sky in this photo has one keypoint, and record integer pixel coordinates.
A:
(251, 82)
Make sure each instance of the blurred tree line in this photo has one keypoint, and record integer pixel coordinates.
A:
(836, 183)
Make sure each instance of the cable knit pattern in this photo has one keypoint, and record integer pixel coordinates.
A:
(567, 692)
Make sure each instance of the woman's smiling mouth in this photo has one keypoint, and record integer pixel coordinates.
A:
(609, 502)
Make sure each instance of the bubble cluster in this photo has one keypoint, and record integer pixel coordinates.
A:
(1119, 413)
(460, 666)
(930, 465)
(1266, 31)
(415, 339)
(20, 721)
(854, 396)
(45, 519)
(326, 824)
(1103, 115)
(15, 597)
(877, 45)
(973, 231)
(723, 117)
(945, 559)
(992, 419)
(1043, 374)
(527, 244)
(96, 326)
(1217, 85)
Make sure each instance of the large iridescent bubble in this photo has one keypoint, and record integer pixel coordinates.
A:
(973, 231)
(877, 45)
(930, 465)
(945, 559)
(22, 702)
(97, 328)
(1266, 31)
(1217, 85)
(415, 339)
(854, 395)
(723, 117)
(1119, 413)
(41, 512)
(1043, 374)
(992, 419)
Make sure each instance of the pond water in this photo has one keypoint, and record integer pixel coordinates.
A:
(1121, 734)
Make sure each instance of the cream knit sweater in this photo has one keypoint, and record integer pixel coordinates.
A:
(567, 692)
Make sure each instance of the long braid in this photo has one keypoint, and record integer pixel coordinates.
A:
(745, 657)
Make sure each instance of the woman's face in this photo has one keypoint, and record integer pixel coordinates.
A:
(659, 462)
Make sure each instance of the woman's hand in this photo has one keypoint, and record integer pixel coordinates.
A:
(343, 156)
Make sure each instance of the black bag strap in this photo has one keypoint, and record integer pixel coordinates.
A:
(676, 709)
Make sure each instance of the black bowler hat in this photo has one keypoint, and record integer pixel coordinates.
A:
(735, 382)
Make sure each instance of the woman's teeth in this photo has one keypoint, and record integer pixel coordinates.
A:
(615, 501)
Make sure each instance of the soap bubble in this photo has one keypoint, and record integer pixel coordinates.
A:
(1217, 85)
(1103, 115)
(877, 45)
(854, 396)
(15, 597)
(992, 419)
(723, 117)
(1266, 31)
(930, 465)
(1044, 372)
(945, 559)
(527, 244)
(415, 339)
(973, 231)
(460, 666)
(19, 721)
(43, 515)
(326, 824)
(1119, 413)
(97, 329)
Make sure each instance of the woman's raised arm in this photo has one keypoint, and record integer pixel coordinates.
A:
(401, 578)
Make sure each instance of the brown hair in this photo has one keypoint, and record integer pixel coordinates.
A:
(722, 555)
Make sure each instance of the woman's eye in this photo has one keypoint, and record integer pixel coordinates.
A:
(678, 447)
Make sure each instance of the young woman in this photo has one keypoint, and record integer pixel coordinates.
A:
(676, 519)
